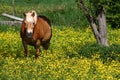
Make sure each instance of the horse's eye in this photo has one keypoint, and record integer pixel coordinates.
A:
(33, 23)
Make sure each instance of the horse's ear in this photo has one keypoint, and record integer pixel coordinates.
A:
(33, 14)
(24, 14)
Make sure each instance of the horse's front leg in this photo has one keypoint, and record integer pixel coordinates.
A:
(25, 48)
(37, 49)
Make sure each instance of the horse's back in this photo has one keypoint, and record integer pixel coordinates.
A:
(45, 19)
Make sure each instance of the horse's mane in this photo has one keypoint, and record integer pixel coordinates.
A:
(45, 18)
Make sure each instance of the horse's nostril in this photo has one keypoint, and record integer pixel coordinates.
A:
(29, 35)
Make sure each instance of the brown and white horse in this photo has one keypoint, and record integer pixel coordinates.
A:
(35, 31)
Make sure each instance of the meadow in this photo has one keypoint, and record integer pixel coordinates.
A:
(73, 53)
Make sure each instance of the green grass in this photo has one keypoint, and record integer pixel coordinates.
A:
(73, 55)
(60, 12)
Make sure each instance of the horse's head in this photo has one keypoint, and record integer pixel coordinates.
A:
(30, 19)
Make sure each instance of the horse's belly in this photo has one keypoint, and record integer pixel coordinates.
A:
(30, 41)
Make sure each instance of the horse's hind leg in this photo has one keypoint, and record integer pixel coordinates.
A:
(46, 45)
(25, 48)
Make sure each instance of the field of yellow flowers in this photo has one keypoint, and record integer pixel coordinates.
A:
(73, 55)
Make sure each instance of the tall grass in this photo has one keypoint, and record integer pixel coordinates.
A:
(60, 12)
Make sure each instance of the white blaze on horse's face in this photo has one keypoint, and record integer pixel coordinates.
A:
(30, 21)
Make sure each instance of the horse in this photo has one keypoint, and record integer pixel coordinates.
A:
(35, 31)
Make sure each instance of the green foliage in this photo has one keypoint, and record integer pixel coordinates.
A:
(113, 13)
(73, 55)
(112, 10)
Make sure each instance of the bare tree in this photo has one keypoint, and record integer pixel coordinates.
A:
(98, 24)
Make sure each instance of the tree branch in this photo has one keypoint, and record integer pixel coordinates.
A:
(90, 19)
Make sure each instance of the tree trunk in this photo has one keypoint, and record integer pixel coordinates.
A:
(102, 27)
(98, 30)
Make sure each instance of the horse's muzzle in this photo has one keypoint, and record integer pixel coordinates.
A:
(29, 35)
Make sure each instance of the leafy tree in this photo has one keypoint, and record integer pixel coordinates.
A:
(96, 15)
(113, 13)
